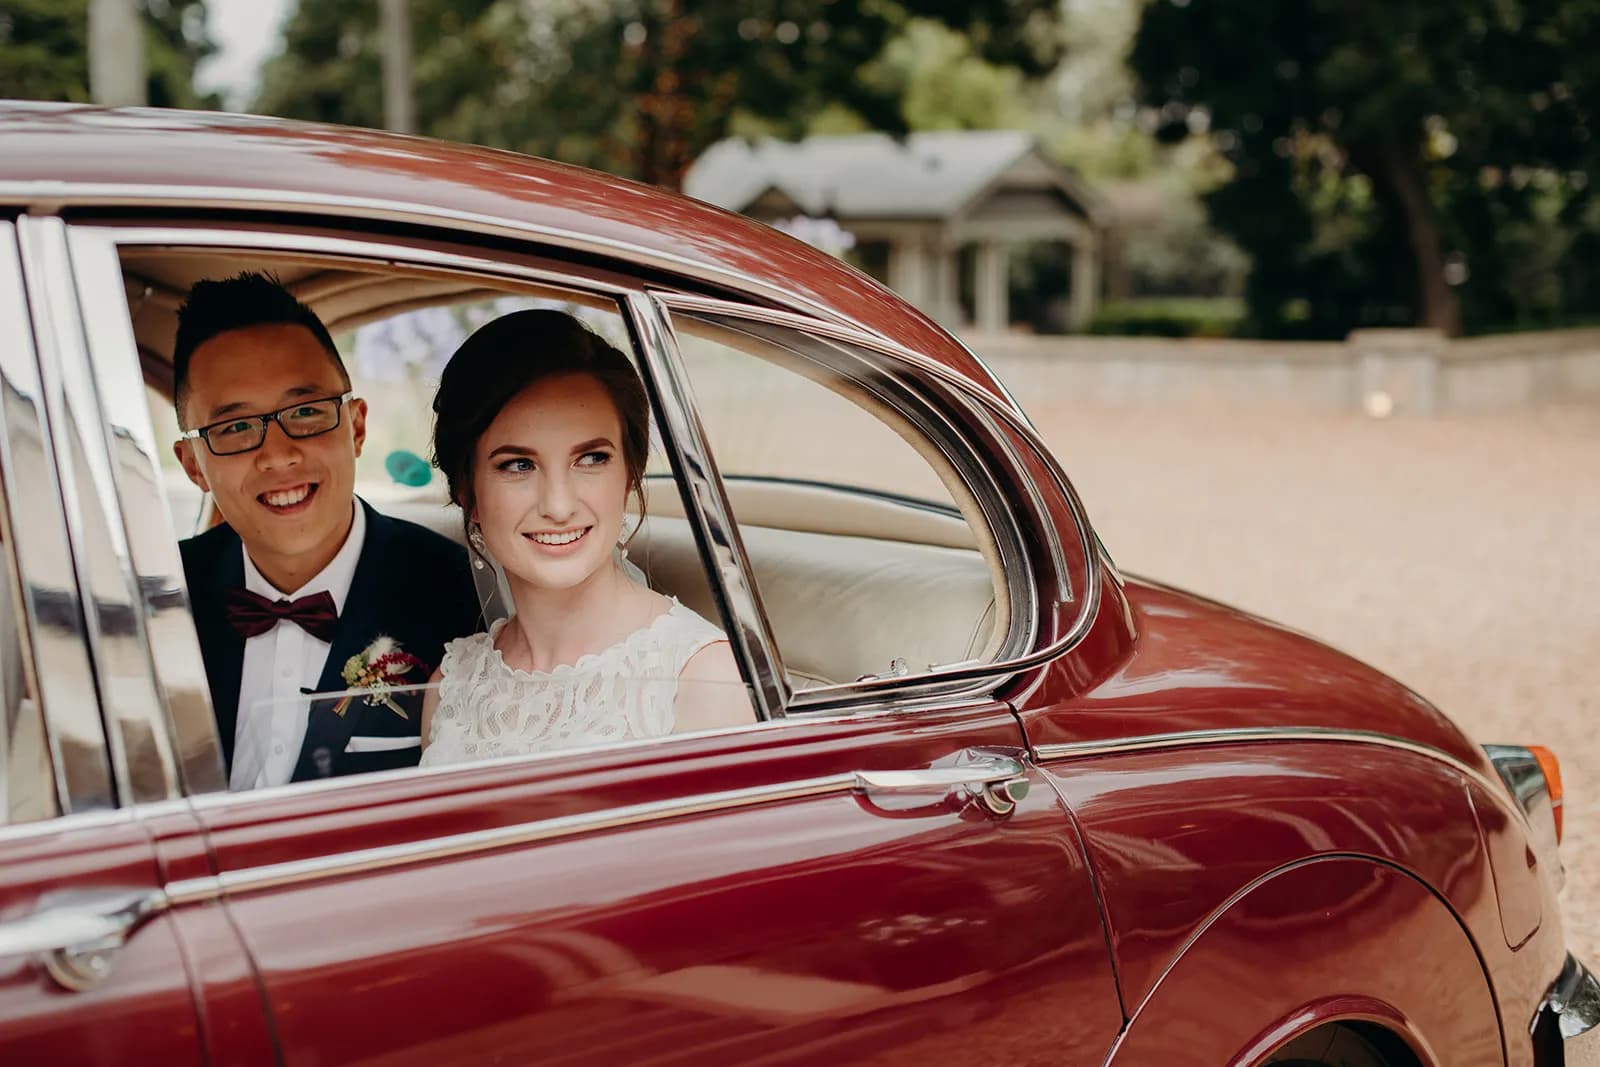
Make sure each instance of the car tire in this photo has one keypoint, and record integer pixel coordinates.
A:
(1330, 1046)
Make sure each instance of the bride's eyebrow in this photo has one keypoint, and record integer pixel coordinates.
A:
(592, 443)
(513, 450)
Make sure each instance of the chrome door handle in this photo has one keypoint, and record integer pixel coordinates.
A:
(79, 939)
(997, 782)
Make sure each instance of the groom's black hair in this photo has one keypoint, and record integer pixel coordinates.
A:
(249, 298)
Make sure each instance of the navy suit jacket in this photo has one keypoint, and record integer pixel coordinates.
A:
(410, 584)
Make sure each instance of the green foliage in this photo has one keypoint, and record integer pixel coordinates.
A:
(1364, 140)
(636, 87)
(44, 51)
(942, 83)
(1170, 317)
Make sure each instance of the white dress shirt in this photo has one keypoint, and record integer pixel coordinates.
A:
(278, 665)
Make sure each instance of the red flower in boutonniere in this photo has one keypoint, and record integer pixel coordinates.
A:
(379, 667)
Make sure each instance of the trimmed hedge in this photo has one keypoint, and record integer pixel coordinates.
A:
(1185, 316)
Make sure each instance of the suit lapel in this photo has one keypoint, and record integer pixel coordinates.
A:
(221, 646)
(366, 607)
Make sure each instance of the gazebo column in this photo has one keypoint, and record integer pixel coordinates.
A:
(992, 285)
(945, 302)
(1084, 298)
(908, 269)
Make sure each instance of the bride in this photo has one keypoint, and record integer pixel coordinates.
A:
(541, 429)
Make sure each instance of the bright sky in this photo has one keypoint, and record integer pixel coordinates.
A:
(246, 32)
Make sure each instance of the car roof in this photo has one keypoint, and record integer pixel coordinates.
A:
(58, 157)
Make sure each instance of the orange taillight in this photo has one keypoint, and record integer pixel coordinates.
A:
(1551, 768)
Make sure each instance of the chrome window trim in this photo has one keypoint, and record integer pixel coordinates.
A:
(172, 645)
(142, 762)
(884, 696)
(271, 236)
(43, 775)
(56, 649)
(705, 500)
(906, 398)
(985, 402)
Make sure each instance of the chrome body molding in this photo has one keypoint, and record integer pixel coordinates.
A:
(1244, 735)
(93, 819)
(277, 875)
(705, 501)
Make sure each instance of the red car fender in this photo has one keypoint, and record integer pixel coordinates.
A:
(1340, 938)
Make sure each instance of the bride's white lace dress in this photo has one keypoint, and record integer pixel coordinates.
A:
(488, 709)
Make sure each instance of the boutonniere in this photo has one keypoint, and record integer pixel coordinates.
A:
(377, 668)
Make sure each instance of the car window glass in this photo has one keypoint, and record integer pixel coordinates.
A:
(395, 331)
(184, 498)
(768, 422)
(867, 547)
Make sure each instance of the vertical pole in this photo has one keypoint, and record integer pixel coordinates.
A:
(994, 312)
(1084, 297)
(116, 53)
(399, 99)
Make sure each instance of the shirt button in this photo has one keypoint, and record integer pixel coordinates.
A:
(277, 750)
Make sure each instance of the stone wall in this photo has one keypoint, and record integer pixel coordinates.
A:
(1383, 372)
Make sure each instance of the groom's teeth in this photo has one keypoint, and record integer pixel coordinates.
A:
(287, 497)
(559, 539)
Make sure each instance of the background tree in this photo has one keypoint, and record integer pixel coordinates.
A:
(44, 51)
(1363, 139)
(637, 87)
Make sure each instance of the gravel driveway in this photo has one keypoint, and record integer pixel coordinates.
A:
(1454, 552)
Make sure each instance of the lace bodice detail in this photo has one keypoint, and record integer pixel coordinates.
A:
(488, 709)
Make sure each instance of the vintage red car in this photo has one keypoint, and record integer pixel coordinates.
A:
(997, 802)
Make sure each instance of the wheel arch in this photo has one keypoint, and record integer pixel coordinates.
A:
(1310, 945)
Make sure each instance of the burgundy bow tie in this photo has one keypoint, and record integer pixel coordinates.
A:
(252, 614)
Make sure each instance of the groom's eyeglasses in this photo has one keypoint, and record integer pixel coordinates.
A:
(245, 433)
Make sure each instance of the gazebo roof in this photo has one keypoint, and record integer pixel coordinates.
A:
(871, 175)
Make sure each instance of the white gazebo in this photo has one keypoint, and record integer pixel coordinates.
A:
(925, 196)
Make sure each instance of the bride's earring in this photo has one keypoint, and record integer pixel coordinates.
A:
(475, 538)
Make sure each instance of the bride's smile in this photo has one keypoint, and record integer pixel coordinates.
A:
(565, 539)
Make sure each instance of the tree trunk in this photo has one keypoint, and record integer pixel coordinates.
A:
(666, 112)
(1400, 182)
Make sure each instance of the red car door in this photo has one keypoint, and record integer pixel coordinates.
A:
(91, 965)
(836, 890)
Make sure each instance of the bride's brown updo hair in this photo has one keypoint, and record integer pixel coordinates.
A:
(506, 356)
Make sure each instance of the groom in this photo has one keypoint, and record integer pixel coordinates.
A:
(305, 586)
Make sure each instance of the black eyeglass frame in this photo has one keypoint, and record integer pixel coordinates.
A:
(203, 432)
